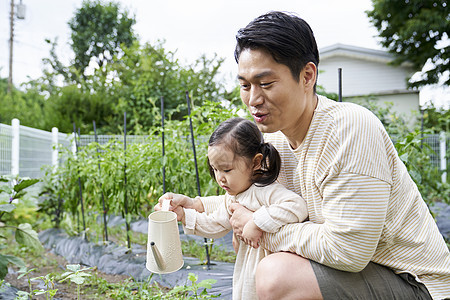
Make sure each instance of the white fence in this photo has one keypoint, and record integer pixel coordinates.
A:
(24, 150)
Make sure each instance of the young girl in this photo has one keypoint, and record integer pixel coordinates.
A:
(246, 168)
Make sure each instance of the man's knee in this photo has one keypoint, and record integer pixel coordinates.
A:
(286, 276)
(266, 277)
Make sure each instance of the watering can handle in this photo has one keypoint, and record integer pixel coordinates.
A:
(165, 205)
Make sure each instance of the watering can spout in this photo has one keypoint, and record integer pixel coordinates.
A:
(158, 257)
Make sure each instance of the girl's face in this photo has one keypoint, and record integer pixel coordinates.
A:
(233, 173)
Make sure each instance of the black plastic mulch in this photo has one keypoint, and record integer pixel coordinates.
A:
(115, 259)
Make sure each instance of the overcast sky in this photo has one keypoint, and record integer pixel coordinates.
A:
(191, 28)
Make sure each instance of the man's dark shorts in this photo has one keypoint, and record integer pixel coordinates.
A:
(374, 282)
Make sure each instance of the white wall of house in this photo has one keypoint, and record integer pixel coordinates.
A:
(367, 72)
(402, 104)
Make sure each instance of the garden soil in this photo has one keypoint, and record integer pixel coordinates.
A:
(65, 291)
(117, 263)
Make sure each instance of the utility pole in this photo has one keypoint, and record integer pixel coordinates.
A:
(20, 15)
(11, 39)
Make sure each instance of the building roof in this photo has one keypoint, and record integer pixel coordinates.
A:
(356, 52)
(363, 72)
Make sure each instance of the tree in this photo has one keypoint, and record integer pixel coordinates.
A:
(415, 31)
(98, 30)
(436, 119)
(130, 78)
(134, 84)
(27, 106)
(144, 74)
(74, 104)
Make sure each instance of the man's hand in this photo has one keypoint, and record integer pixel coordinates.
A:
(239, 218)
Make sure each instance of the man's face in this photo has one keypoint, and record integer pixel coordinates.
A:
(274, 98)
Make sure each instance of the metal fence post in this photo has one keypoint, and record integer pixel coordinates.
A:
(15, 146)
(442, 154)
(55, 148)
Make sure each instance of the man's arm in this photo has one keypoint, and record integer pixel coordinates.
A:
(354, 211)
(280, 206)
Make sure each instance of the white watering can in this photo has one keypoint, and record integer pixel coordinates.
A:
(164, 253)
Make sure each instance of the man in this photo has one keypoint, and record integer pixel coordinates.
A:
(370, 234)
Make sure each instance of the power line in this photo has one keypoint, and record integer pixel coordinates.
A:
(31, 45)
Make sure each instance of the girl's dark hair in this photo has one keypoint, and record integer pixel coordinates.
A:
(288, 38)
(244, 139)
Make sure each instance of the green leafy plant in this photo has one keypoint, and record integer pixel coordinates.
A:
(77, 275)
(131, 289)
(196, 290)
(416, 156)
(24, 234)
(144, 164)
(25, 272)
(49, 281)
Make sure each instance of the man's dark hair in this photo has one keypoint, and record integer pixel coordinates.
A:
(288, 38)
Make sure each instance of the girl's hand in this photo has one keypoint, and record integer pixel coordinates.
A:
(181, 200)
(251, 234)
(235, 242)
(176, 200)
(239, 218)
(176, 204)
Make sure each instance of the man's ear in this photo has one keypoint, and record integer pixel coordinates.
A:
(257, 161)
(309, 75)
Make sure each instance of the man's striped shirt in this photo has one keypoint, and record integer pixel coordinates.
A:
(363, 206)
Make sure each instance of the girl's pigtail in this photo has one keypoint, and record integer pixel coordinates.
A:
(270, 165)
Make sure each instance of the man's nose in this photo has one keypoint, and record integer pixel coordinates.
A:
(255, 96)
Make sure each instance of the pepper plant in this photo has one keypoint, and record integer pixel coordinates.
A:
(144, 164)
